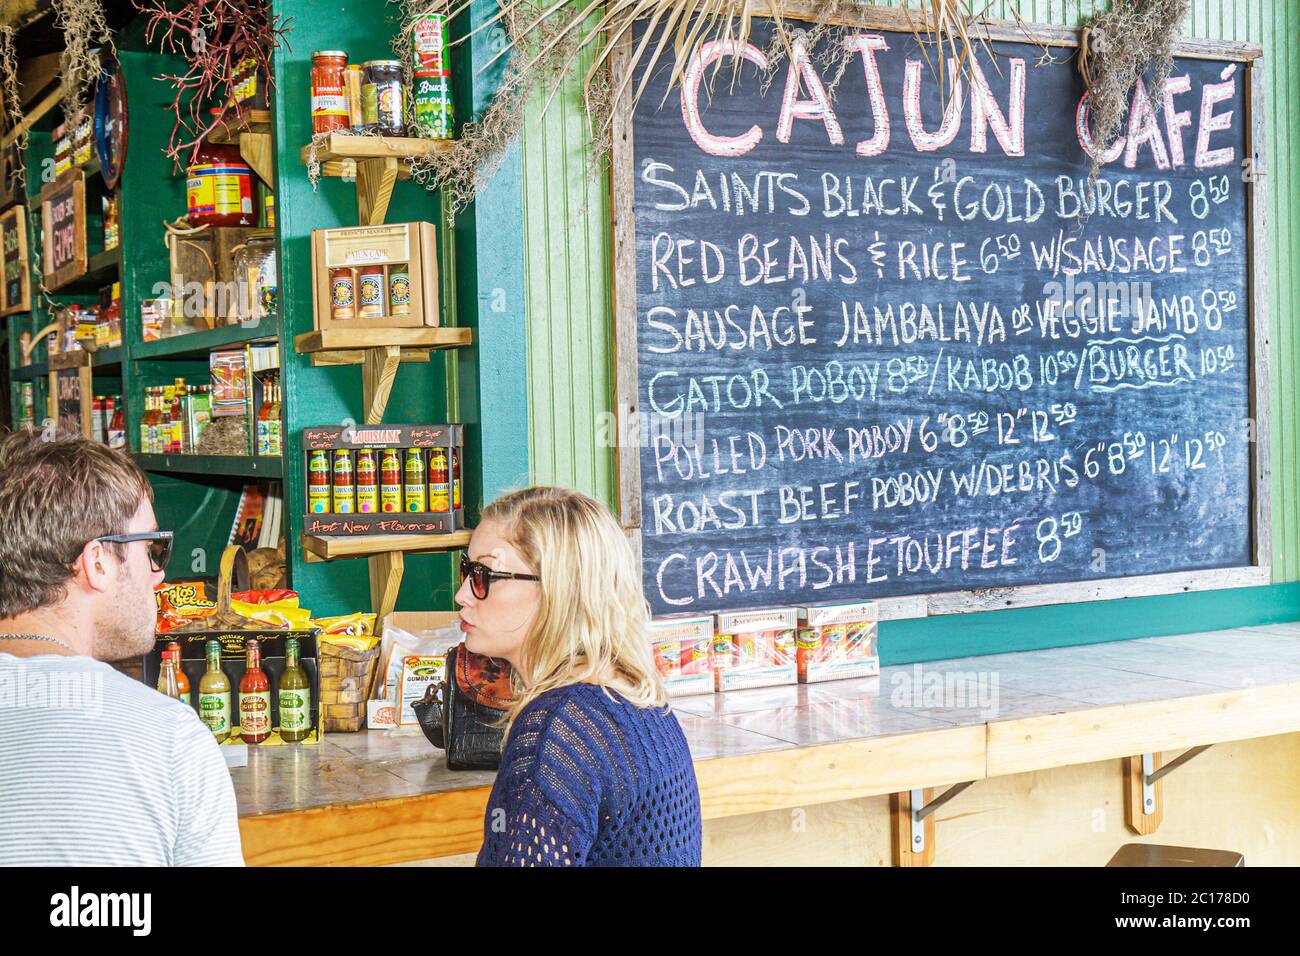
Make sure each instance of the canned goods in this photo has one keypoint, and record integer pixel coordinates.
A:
(343, 294)
(399, 290)
(371, 282)
(383, 97)
(431, 78)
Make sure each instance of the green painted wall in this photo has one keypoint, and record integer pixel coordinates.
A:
(570, 347)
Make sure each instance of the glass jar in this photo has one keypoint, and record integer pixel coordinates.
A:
(383, 98)
(263, 271)
(219, 187)
(329, 105)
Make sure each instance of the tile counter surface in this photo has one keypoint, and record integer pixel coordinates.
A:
(908, 698)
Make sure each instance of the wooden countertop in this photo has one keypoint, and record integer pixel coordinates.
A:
(379, 797)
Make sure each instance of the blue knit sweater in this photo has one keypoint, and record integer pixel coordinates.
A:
(590, 780)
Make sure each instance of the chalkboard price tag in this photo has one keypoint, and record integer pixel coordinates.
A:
(63, 218)
(15, 278)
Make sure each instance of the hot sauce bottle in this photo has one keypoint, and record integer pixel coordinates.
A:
(318, 483)
(214, 694)
(367, 489)
(390, 478)
(345, 502)
(415, 488)
(182, 682)
(439, 486)
(455, 478)
(295, 696)
(254, 698)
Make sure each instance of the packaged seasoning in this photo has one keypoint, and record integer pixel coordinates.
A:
(62, 150)
(431, 78)
(329, 105)
(383, 98)
(353, 80)
(399, 290)
(371, 295)
(342, 294)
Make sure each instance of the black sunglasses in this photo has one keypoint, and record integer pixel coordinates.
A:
(160, 545)
(481, 576)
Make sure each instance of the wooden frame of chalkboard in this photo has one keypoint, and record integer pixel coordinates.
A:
(62, 410)
(1253, 572)
(70, 187)
(15, 289)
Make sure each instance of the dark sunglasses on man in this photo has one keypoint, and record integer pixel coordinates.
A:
(481, 576)
(160, 545)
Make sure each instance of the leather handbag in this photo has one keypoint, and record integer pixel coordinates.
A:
(463, 713)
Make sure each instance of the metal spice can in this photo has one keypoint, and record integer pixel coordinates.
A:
(432, 107)
(371, 296)
(343, 297)
(383, 98)
(399, 290)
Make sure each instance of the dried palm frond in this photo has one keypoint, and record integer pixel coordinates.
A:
(545, 39)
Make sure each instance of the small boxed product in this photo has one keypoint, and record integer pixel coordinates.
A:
(413, 656)
(837, 641)
(371, 277)
(754, 649)
(231, 660)
(682, 648)
(383, 479)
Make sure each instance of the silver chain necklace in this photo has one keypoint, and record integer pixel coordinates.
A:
(35, 637)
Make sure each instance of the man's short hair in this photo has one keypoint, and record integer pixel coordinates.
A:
(55, 496)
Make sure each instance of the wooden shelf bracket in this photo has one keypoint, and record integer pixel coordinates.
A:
(913, 824)
(1144, 802)
(378, 371)
(375, 181)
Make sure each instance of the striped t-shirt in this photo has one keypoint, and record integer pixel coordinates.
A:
(97, 769)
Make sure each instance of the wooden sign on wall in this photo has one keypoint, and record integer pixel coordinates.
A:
(875, 347)
(15, 275)
(70, 400)
(63, 218)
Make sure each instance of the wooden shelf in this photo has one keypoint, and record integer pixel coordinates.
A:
(348, 346)
(328, 548)
(29, 373)
(259, 466)
(376, 162)
(83, 358)
(342, 146)
(199, 344)
(245, 121)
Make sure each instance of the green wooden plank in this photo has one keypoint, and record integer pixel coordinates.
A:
(198, 344)
(249, 466)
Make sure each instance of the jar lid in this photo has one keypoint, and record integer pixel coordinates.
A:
(396, 63)
(342, 53)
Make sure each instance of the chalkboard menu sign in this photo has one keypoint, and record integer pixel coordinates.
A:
(63, 220)
(15, 280)
(879, 343)
(70, 398)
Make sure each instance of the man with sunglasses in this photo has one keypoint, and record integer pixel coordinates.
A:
(95, 768)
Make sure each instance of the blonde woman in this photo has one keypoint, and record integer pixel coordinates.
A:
(595, 769)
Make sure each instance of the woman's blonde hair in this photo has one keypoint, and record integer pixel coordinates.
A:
(592, 617)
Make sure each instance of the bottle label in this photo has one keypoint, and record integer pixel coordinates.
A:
(390, 497)
(254, 713)
(185, 698)
(219, 190)
(415, 497)
(329, 101)
(214, 709)
(295, 709)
